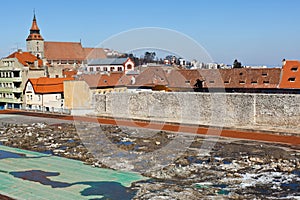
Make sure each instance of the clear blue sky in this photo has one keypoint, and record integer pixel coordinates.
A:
(253, 31)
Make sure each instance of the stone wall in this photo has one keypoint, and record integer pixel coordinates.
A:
(218, 109)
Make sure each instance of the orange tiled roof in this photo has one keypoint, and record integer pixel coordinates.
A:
(290, 77)
(63, 51)
(45, 85)
(105, 80)
(69, 73)
(26, 58)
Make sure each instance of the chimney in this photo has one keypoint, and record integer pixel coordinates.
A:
(283, 62)
(36, 64)
(20, 51)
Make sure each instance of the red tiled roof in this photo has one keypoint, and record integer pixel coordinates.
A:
(94, 53)
(105, 80)
(45, 85)
(26, 58)
(213, 78)
(64, 51)
(69, 73)
(71, 51)
(152, 76)
(290, 77)
(241, 78)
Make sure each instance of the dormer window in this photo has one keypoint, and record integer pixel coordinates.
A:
(292, 79)
(294, 69)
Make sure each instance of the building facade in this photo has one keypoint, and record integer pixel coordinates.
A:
(110, 65)
(14, 72)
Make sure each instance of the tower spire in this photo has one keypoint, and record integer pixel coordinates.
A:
(34, 30)
(34, 19)
(35, 41)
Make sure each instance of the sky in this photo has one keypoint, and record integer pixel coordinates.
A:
(256, 32)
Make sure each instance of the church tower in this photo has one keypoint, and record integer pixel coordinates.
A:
(34, 41)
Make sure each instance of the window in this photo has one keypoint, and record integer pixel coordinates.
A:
(294, 69)
(264, 74)
(97, 69)
(120, 69)
(241, 73)
(212, 81)
(105, 69)
(187, 82)
(112, 69)
(226, 82)
(91, 69)
(29, 87)
(253, 82)
(266, 82)
(242, 82)
(292, 79)
(129, 66)
(39, 97)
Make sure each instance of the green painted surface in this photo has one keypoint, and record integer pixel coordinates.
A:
(32, 175)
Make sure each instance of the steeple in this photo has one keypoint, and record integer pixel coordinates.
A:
(34, 31)
(34, 41)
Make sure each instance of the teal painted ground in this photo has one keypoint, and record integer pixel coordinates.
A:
(32, 175)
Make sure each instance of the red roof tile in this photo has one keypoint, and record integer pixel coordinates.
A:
(71, 51)
(64, 51)
(26, 58)
(152, 76)
(94, 53)
(213, 78)
(45, 85)
(105, 80)
(69, 73)
(290, 78)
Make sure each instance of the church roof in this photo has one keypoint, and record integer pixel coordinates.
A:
(63, 51)
(94, 53)
(71, 51)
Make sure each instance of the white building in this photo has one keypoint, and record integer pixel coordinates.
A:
(45, 94)
(110, 65)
